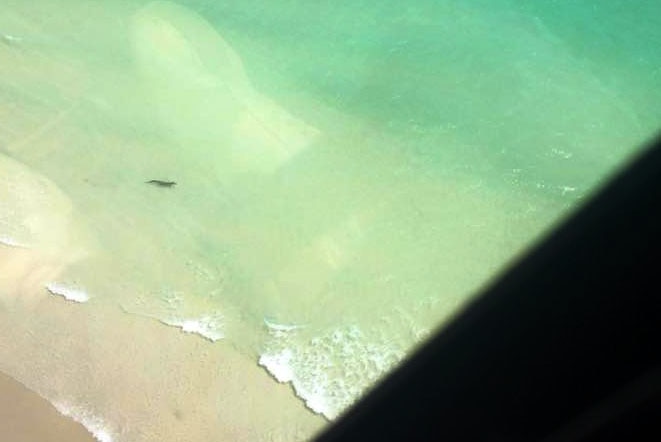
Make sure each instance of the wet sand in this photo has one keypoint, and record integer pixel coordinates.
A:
(139, 380)
(26, 416)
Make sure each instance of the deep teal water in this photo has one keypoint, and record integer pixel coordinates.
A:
(512, 81)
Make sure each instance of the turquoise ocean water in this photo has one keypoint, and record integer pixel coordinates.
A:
(347, 174)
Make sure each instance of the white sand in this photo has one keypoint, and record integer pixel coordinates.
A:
(147, 382)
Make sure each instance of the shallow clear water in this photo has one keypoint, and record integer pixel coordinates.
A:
(347, 176)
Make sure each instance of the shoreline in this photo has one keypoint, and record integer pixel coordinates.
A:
(96, 360)
(26, 416)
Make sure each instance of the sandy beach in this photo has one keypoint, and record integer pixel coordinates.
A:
(27, 417)
(149, 382)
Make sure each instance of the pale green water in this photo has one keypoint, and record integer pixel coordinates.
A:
(348, 174)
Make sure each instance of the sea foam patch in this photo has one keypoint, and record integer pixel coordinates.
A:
(11, 242)
(279, 365)
(330, 371)
(94, 424)
(209, 327)
(70, 293)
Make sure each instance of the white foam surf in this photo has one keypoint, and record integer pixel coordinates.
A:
(94, 424)
(11, 242)
(208, 327)
(330, 371)
(282, 367)
(279, 365)
(70, 293)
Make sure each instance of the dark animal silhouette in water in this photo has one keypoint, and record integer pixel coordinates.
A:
(161, 183)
